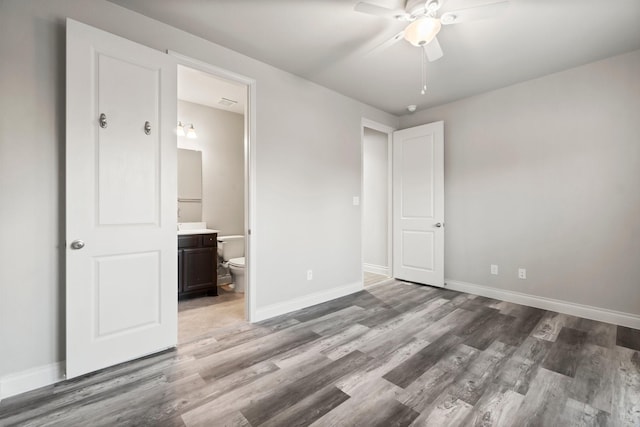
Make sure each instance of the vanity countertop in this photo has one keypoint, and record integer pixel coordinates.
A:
(197, 231)
(187, 228)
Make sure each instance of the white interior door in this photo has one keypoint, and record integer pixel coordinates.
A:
(121, 295)
(418, 204)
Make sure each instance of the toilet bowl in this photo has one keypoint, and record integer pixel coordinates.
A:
(231, 249)
(236, 266)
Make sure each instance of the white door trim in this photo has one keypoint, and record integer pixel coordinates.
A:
(250, 171)
(388, 130)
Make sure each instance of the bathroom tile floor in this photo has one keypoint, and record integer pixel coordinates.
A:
(394, 354)
(371, 279)
(203, 315)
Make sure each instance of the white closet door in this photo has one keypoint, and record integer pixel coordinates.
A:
(418, 204)
(120, 200)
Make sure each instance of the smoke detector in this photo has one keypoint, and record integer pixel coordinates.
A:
(412, 108)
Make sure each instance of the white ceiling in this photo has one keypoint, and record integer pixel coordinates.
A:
(205, 89)
(325, 40)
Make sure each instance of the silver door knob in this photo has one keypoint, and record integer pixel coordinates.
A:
(438, 224)
(77, 244)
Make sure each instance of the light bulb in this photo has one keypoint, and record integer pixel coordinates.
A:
(180, 129)
(191, 133)
(421, 31)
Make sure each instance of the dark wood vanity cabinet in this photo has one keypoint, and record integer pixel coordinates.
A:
(197, 264)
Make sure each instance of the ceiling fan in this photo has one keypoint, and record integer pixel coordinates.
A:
(424, 23)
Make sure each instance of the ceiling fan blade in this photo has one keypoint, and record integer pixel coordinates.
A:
(393, 40)
(433, 50)
(473, 13)
(376, 10)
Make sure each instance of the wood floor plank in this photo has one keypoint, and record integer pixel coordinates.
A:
(497, 407)
(479, 375)
(598, 333)
(593, 382)
(228, 361)
(495, 327)
(522, 326)
(579, 414)
(566, 352)
(445, 411)
(324, 344)
(521, 368)
(360, 381)
(405, 324)
(430, 385)
(627, 337)
(412, 368)
(378, 407)
(227, 402)
(625, 409)
(263, 409)
(550, 325)
(309, 409)
(545, 401)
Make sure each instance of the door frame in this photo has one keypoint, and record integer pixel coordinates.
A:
(388, 130)
(249, 169)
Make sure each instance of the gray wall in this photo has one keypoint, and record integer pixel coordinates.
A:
(545, 175)
(221, 141)
(307, 156)
(375, 201)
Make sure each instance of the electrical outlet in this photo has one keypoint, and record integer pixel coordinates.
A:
(356, 201)
(309, 274)
(494, 269)
(522, 273)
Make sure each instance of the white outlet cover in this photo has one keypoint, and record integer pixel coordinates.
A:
(356, 201)
(522, 273)
(494, 269)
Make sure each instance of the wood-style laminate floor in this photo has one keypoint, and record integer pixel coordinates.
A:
(392, 355)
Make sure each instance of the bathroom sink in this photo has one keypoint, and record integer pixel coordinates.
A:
(186, 228)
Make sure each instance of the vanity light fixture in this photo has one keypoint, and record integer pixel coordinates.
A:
(191, 133)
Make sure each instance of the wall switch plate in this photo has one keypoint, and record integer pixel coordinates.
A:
(522, 273)
(309, 274)
(356, 201)
(494, 269)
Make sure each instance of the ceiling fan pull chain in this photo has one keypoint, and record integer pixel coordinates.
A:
(424, 71)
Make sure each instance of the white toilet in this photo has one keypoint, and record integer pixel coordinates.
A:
(231, 249)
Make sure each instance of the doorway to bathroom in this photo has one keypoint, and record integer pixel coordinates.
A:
(376, 202)
(213, 137)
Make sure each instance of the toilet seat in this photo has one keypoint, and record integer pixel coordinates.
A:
(236, 262)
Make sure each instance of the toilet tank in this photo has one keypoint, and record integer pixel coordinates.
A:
(231, 247)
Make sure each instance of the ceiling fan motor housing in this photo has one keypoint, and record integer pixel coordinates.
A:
(422, 7)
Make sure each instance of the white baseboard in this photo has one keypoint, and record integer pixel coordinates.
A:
(285, 307)
(376, 269)
(589, 312)
(31, 379)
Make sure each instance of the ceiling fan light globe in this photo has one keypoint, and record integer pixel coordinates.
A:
(421, 31)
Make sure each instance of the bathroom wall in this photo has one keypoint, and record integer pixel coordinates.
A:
(221, 141)
(375, 201)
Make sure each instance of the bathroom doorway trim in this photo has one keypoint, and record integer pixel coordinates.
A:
(249, 168)
(387, 130)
